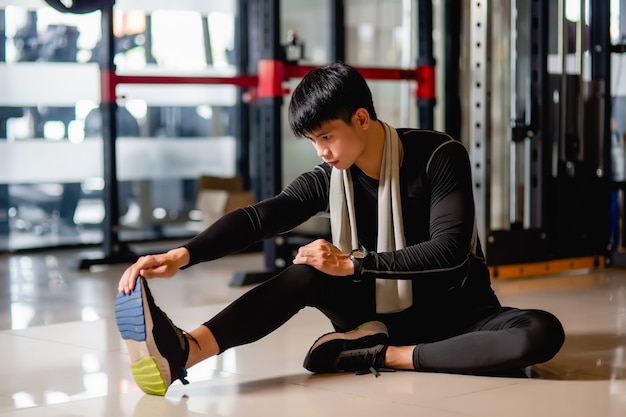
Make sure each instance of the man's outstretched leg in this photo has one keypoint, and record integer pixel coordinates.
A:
(160, 352)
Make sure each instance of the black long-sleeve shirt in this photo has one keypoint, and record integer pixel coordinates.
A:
(437, 207)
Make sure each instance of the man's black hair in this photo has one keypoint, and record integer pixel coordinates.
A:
(328, 93)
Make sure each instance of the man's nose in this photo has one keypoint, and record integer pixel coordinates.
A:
(322, 151)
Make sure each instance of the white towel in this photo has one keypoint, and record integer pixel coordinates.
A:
(391, 295)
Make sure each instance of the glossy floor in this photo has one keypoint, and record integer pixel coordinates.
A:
(61, 354)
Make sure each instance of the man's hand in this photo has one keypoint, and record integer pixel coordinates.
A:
(163, 265)
(325, 257)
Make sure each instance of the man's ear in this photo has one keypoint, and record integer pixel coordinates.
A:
(362, 117)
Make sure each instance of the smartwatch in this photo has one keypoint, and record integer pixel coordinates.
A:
(357, 256)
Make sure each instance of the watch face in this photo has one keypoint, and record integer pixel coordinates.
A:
(358, 254)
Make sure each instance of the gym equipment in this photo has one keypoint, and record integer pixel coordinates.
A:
(263, 68)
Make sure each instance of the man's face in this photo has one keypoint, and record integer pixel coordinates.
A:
(338, 143)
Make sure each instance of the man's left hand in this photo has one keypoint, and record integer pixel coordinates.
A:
(325, 257)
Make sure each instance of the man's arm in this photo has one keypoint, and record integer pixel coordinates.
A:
(243, 227)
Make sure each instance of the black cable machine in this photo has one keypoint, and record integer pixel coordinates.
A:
(565, 123)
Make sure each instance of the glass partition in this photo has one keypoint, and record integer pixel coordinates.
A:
(51, 168)
(51, 162)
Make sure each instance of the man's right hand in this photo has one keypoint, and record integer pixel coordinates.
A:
(163, 265)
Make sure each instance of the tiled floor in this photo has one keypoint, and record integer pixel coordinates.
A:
(61, 354)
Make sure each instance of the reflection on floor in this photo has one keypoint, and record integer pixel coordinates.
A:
(61, 234)
(62, 356)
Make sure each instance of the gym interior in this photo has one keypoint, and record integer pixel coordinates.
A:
(128, 126)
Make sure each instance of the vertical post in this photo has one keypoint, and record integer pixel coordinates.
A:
(425, 106)
(4, 188)
(265, 55)
(452, 101)
(269, 106)
(600, 48)
(407, 90)
(113, 251)
(563, 50)
(242, 109)
(479, 113)
(3, 37)
(208, 48)
(599, 153)
(540, 98)
(147, 45)
(337, 31)
(108, 107)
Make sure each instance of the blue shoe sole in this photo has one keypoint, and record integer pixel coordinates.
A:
(129, 315)
(147, 365)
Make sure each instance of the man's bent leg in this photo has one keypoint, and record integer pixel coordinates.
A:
(509, 339)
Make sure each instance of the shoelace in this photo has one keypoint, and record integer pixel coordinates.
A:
(359, 359)
(375, 371)
(370, 370)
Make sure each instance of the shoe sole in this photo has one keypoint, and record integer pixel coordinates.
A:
(372, 334)
(370, 328)
(149, 368)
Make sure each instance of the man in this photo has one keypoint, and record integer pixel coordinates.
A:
(404, 283)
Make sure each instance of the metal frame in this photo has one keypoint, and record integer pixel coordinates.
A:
(566, 190)
(479, 110)
(267, 111)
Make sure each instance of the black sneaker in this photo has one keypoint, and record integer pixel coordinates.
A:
(158, 350)
(360, 350)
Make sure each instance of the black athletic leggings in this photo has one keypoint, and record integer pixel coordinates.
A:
(452, 332)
